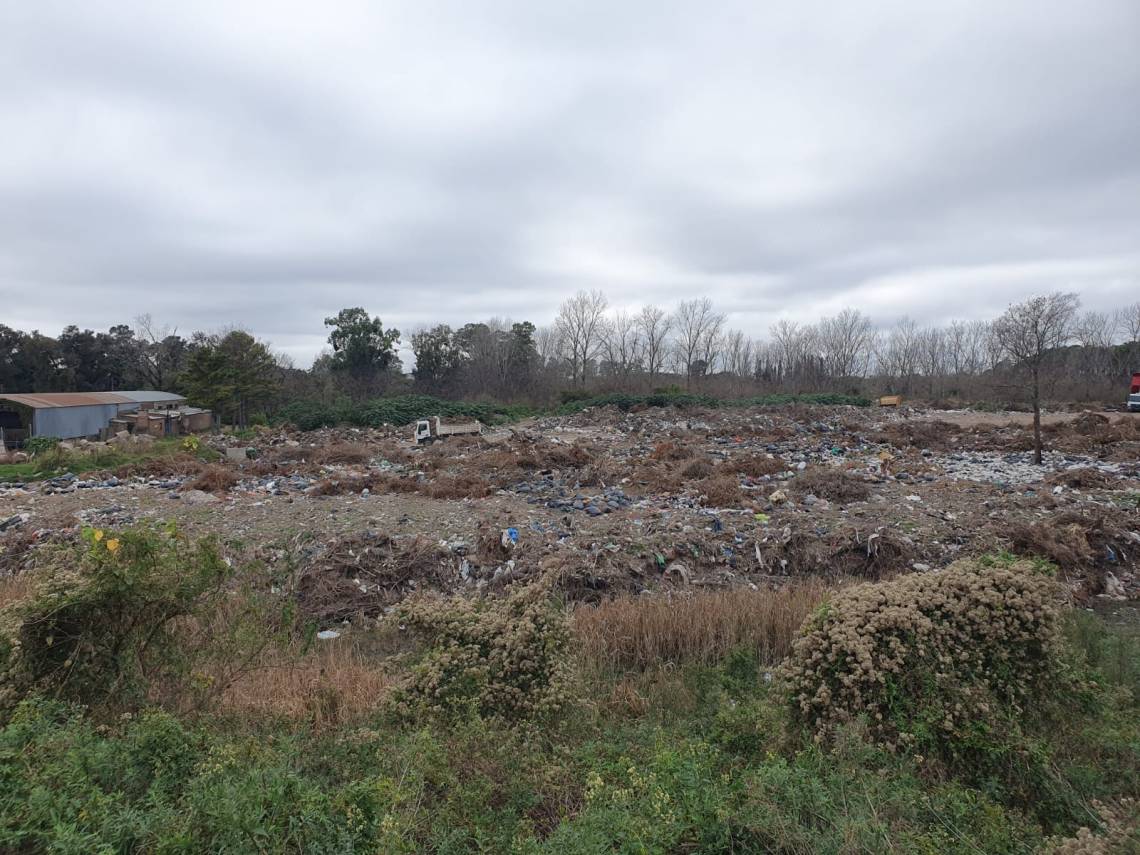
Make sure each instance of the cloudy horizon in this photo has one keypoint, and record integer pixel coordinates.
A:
(267, 164)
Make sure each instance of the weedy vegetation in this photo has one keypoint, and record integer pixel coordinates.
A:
(156, 696)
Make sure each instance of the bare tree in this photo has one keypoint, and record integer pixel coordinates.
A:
(547, 344)
(622, 345)
(791, 347)
(1027, 332)
(1128, 321)
(1095, 329)
(845, 343)
(974, 348)
(738, 357)
(579, 325)
(654, 325)
(933, 358)
(1095, 332)
(900, 352)
(698, 333)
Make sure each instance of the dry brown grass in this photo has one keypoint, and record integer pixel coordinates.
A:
(832, 484)
(342, 453)
(563, 456)
(335, 683)
(670, 450)
(1079, 479)
(640, 632)
(14, 589)
(213, 479)
(755, 466)
(159, 467)
(456, 487)
(721, 491)
(699, 468)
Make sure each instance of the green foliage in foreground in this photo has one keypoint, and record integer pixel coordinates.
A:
(505, 743)
(709, 768)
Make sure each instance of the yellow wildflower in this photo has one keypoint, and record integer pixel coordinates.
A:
(113, 545)
(98, 534)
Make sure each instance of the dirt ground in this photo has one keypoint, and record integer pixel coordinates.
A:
(616, 502)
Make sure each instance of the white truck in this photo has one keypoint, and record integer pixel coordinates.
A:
(426, 432)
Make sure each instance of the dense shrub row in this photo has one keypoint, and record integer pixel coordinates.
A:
(402, 410)
(399, 410)
(626, 402)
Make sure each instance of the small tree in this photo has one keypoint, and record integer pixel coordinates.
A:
(234, 375)
(1030, 330)
(438, 359)
(363, 351)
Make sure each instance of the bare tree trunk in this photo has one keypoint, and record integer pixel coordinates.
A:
(1036, 416)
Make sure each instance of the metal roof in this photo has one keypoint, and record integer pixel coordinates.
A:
(47, 400)
(43, 400)
(148, 397)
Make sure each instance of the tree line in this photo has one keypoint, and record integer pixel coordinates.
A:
(591, 348)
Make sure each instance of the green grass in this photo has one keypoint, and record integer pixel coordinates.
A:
(57, 461)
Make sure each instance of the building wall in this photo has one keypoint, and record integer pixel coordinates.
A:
(73, 422)
(195, 422)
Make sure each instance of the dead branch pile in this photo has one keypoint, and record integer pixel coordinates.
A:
(362, 574)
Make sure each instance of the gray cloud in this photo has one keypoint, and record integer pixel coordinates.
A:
(267, 164)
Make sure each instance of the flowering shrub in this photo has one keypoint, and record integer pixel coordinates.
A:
(1121, 832)
(103, 624)
(503, 658)
(928, 658)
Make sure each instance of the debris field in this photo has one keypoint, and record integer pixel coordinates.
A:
(353, 520)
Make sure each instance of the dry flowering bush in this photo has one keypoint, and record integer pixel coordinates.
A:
(498, 658)
(926, 658)
(1121, 832)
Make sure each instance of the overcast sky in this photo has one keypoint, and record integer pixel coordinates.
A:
(266, 164)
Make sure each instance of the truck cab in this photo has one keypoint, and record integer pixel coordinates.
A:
(423, 431)
(1134, 403)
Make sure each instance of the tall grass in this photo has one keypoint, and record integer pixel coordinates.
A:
(337, 682)
(639, 632)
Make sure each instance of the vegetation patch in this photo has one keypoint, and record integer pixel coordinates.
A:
(129, 617)
(825, 482)
(506, 658)
(927, 657)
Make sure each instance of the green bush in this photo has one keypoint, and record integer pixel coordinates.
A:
(111, 623)
(505, 659)
(39, 444)
(626, 402)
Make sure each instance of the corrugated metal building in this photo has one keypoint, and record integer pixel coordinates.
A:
(70, 415)
(146, 400)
